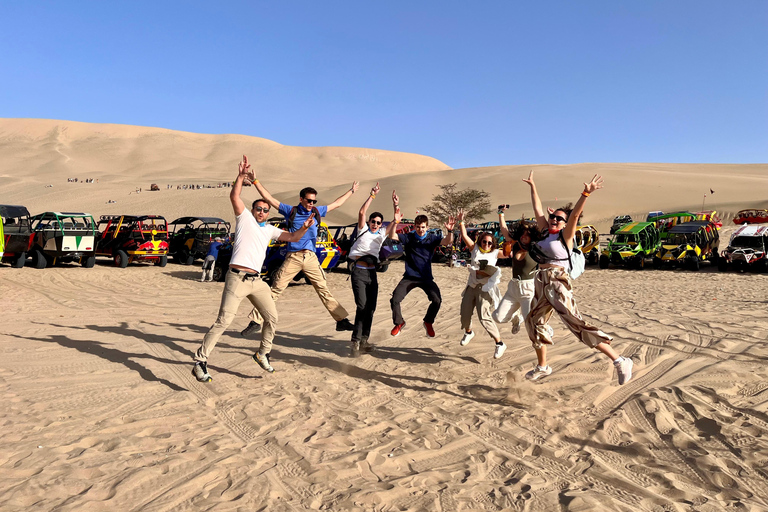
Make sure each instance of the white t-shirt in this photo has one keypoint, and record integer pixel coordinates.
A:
(367, 244)
(491, 257)
(251, 241)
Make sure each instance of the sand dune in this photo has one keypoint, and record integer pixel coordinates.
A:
(101, 412)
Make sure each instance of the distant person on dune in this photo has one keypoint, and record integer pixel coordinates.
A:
(252, 237)
(419, 246)
(553, 287)
(301, 256)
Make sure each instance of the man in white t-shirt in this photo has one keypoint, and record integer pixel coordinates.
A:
(364, 255)
(252, 237)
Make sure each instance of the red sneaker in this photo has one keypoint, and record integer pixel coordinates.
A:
(396, 329)
(430, 330)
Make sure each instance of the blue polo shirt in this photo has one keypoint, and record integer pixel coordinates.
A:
(309, 240)
(418, 254)
(213, 249)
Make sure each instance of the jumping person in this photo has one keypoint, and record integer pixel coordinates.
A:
(482, 292)
(301, 256)
(418, 248)
(364, 255)
(553, 287)
(252, 237)
(516, 303)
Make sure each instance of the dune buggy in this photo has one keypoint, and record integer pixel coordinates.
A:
(60, 237)
(746, 250)
(688, 244)
(190, 237)
(15, 235)
(751, 216)
(631, 245)
(587, 240)
(619, 221)
(129, 238)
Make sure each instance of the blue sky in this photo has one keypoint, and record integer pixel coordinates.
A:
(470, 83)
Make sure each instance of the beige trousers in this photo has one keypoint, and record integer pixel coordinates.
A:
(476, 299)
(236, 288)
(554, 293)
(304, 261)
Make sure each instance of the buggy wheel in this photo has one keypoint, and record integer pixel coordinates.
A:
(383, 267)
(161, 261)
(20, 260)
(640, 263)
(271, 274)
(722, 265)
(594, 257)
(39, 260)
(605, 261)
(694, 264)
(121, 258)
(656, 262)
(88, 261)
(218, 274)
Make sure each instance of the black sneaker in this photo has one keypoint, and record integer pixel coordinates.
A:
(263, 361)
(200, 371)
(252, 328)
(344, 325)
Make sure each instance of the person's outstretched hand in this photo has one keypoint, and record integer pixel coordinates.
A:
(244, 169)
(355, 186)
(375, 189)
(460, 215)
(595, 184)
(395, 199)
(450, 223)
(309, 222)
(530, 178)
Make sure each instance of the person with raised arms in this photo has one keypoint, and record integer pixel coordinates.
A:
(554, 289)
(243, 280)
(419, 246)
(301, 256)
(482, 291)
(364, 255)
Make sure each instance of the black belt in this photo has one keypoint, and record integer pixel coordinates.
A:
(246, 275)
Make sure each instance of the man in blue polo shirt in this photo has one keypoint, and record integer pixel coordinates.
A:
(301, 256)
(419, 246)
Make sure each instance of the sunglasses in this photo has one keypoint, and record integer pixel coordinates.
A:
(552, 216)
(261, 209)
(377, 222)
(311, 201)
(486, 242)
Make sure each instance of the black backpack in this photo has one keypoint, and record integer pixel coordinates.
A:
(314, 213)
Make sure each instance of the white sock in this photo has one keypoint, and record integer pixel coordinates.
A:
(618, 361)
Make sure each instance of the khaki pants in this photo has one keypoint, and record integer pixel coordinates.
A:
(516, 303)
(476, 299)
(208, 264)
(554, 293)
(236, 288)
(304, 261)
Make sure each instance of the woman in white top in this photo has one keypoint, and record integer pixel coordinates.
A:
(364, 255)
(553, 287)
(482, 291)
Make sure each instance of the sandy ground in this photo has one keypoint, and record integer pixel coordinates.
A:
(100, 410)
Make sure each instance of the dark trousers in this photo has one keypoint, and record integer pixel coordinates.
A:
(404, 287)
(365, 286)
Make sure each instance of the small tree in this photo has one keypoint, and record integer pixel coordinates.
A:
(475, 203)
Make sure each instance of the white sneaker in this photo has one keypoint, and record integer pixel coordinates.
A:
(538, 372)
(624, 369)
(467, 338)
(500, 348)
(200, 371)
(263, 361)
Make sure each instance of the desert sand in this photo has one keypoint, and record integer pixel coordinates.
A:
(101, 412)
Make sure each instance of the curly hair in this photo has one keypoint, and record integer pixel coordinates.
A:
(524, 226)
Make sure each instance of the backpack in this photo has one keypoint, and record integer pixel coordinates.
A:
(391, 249)
(294, 210)
(576, 260)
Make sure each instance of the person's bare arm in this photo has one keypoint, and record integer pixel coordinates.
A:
(243, 171)
(343, 198)
(538, 211)
(503, 225)
(285, 236)
(449, 225)
(392, 228)
(569, 231)
(364, 209)
(274, 203)
(464, 235)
